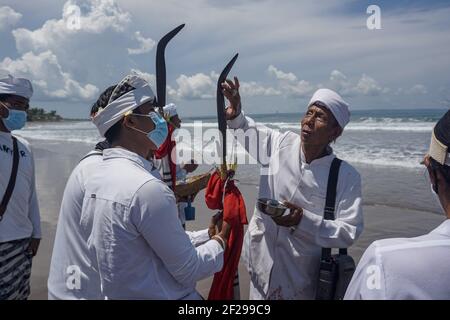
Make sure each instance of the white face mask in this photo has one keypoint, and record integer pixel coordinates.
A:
(436, 198)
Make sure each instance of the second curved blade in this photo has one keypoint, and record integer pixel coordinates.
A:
(221, 106)
(161, 65)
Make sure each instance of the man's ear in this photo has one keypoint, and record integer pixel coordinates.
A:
(337, 132)
(128, 122)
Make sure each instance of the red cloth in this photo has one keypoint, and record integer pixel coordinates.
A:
(166, 150)
(234, 213)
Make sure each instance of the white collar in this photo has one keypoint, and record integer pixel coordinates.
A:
(443, 228)
(117, 152)
(323, 160)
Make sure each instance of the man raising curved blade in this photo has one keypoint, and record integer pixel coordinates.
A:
(283, 254)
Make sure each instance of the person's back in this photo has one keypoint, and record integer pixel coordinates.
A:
(124, 229)
(405, 268)
(413, 268)
(130, 236)
(72, 275)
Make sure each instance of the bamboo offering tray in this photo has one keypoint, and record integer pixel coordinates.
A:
(192, 185)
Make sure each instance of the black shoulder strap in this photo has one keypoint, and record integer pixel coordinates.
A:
(12, 179)
(330, 202)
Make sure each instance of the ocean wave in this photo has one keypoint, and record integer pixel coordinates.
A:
(366, 125)
(405, 151)
(86, 140)
(403, 126)
(385, 162)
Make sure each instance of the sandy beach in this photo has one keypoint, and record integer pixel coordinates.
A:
(55, 161)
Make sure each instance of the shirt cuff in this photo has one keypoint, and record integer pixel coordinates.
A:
(237, 122)
(202, 236)
(37, 232)
(36, 235)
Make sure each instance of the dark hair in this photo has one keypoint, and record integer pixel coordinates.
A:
(442, 133)
(443, 169)
(113, 133)
(4, 96)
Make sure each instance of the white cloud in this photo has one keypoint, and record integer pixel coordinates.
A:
(252, 89)
(47, 74)
(93, 53)
(365, 86)
(197, 86)
(369, 87)
(146, 44)
(280, 75)
(340, 82)
(418, 89)
(150, 78)
(415, 90)
(203, 86)
(289, 84)
(8, 17)
(97, 17)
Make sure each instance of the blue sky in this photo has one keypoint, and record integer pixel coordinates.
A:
(287, 50)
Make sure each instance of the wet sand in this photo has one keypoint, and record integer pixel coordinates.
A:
(55, 161)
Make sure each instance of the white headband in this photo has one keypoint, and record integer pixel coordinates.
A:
(438, 151)
(333, 102)
(16, 86)
(105, 118)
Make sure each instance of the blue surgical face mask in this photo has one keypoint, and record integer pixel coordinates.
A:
(159, 134)
(16, 119)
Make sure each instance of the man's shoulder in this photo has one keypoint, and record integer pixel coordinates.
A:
(23, 143)
(121, 184)
(153, 185)
(349, 171)
(395, 245)
(88, 163)
(289, 138)
(137, 177)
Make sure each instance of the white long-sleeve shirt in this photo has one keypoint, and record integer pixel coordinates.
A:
(284, 264)
(153, 258)
(21, 219)
(405, 268)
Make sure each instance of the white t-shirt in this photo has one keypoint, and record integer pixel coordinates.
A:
(21, 219)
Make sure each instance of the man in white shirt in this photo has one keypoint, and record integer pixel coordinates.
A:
(118, 234)
(283, 254)
(20, 229)
(413, 268)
